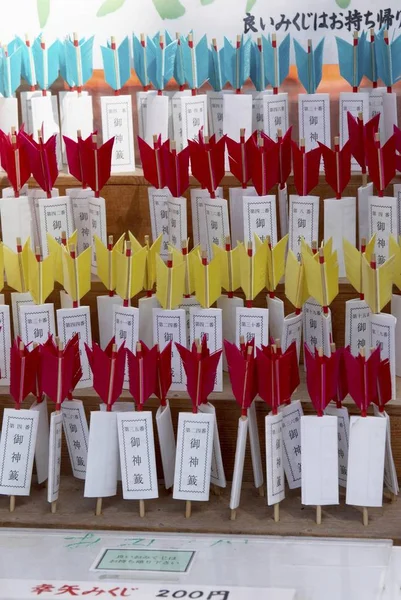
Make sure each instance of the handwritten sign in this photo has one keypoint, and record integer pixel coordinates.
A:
(137, 455)
(77, 320)
(275, 113)
(357, 325)
(17, 451)
(274, 459)
(291, 430)
(76, 434)
(314, 119)
(36, 322)
(55, 216)
(303, 222)
(117, 122)
(208, 322)
(126, 329)
(194, 456)
(55, 436)
(383, 221)
(260, 217)
(169, 325)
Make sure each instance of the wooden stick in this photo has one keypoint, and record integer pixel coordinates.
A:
(365, 516)
(169, 282)
(127, 299)
(53, 507)
(261, 491)
(141, 508)
(98, 510)
(12, 503)
(233, 515)
(277, 512)
(188, 509)
(318, 515)
(20, 267)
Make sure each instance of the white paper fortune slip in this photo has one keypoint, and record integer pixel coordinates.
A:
(44, 114)
(156, 118)
(396, 312)
(8, 114)
(64, 106)
(126, 329)
(282, 195)
(236, 202)
(36, 322)
(26, 108)
(77, 320)
(215, 108)
(137, 455)
(367, 443)
(383, 221)
(257, 108)
(314, 119)
(397, 194)
(193, 464)
(5, 343)
(252, 323)
(166, 437)
(170, 325)
(214, 227)
(17, 301)
(142, 107)
(101, 470)
(357, 325)
(105, 317)
(208, 322)
(117, 123)
(382, 332)
(303, 221)
(158, 209)
(177, 220)
(240, 448)
(259, 216)
(291, 430)
(77, 115)
(317, 330)
(97, 225)
(292, 332)
(228, 307)
(198, 197)
(390, 472)
(339, 224)
(17, 451)
(274, 459)
(275, 114)
(55, 437)
(194, 117)
(319, 460)
(255, 446)
(76, 434)
(343, 439)
(354, 103)
(364, 193)
(276, 317)
(217, 476)
(34, 195)
(146, 307)
(237, 115)
(42, 441)
(8, 192)
(55, 216)
(80, 213)
(17, 220)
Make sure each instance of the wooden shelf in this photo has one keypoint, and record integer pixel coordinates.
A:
(164, 514)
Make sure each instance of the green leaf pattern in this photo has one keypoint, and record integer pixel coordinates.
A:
(43, 7)
(109, 6)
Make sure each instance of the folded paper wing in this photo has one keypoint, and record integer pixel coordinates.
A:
(239, 158)
(309, 65)
(108, 370)
(178, 258)
(201, 373)
(117, 64)
(130, 273)
(41, 277)
(55, 250)
(243, 373)
(96, 164)
(23, 368)
(395, 252)
(169, 292)
(362, 376)
(142, 369)
(276, 263)
(17, 278)
(176, 169)
(42, 161)
(207, 281)
(377, 284)
(153, 252)
(229, 261)
(58, 369)
(306, 167)
(296, 289)
(152, 162)
(337, 167)
(353, 261)
(73, 151)
(106, 261)
(351, 59)
(163, 373)
(77, 273)
(15, 161)
(357, 133)
(322, 279)
(321, 374)
(252, 288)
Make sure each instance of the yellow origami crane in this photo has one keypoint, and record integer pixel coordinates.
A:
(296, 289)
(54, 248)
(377, 282)
(321, 276)
(275, 261)
(16, 266)
(130, 272)
(153, 251)
(353, 261)
(230, 270)
(41, 275)
(253, 269)
(170, 282)
(188, 258)
(106, 260)
(76, 272)
(207, 280)
(395, 250)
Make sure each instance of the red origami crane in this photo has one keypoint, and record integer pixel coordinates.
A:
(73, 347)
(239, 158)
(23, 367)
(142, 369)
(340, 383)
(15, 160)
(337, 166)
(321, 373)
(264, 165)
(284, 154)
(73, 151)
(96, 163)
(306, 168)
(384, 390)
(357, 134)
(152, 162)
(207, 161)
(108, 367)
(42, 161)
(362, 375)
(57, 371)
(176, 168)
(381, 162)
(37, 389)
(278, 374)
(200, 370)
(397, 135)
(243, 376)
(163, 373)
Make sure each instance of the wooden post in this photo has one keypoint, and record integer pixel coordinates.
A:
(98, 510)
(233, 514)
(141, 508)
(365, 516)
(318, 515)
(277, 512)
(188, 509)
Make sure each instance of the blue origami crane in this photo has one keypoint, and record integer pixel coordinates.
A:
(161, 66)
(388, 58)
(277, 60)
(309, 65)
(46, 61)
(116, 64)
(351, 58)
(195, 61)
(10, 69)
(237, 61)
(79, 60)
